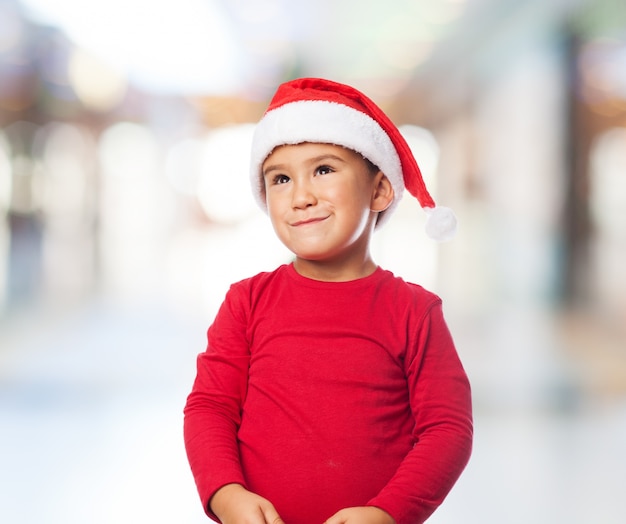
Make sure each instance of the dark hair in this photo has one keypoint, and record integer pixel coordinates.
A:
(371, 167)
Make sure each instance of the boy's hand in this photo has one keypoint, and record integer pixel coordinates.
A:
(234, 504)
(361, 515)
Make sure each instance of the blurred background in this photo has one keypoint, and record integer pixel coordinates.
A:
(125, 214)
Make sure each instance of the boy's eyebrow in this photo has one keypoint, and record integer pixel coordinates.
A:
(273, 167)
(326, 156)
(314, 160)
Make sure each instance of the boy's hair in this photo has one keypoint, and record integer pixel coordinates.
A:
(371, 167)
(322, 111)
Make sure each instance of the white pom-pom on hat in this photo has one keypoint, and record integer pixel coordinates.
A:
(441, 223)
(322, 111)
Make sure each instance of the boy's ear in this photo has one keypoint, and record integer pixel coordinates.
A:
(383, 193)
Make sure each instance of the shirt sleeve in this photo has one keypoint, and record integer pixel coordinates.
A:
(212, 414)
(440, 401)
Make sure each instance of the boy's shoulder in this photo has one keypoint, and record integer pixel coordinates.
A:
(405, 290)
(243, 295)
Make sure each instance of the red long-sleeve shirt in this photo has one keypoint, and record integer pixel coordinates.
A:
(325, 395)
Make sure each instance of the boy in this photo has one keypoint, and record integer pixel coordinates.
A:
(331, 391)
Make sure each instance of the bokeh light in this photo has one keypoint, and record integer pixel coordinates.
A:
(224, 182)
(95, 82)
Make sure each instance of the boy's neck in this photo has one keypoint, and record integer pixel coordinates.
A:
(334, 271)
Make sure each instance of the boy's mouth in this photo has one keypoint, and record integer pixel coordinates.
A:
(308, 221)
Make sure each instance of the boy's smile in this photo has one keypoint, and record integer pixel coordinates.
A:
(323, 201)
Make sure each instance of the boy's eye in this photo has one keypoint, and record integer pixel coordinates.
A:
(281, 179)
(323, 170)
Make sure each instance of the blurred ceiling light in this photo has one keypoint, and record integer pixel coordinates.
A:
(97, 84)
(163, 46)
(211, 47)
(224, 186)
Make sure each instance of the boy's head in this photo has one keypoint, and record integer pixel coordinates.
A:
(321, 111)
(323, 201)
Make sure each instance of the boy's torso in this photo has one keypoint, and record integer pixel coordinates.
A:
(327, 419)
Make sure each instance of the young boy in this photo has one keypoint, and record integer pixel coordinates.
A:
(331, 391)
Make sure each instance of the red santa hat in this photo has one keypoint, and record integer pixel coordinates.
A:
(322, 111)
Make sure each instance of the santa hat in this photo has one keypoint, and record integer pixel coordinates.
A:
(322, 111)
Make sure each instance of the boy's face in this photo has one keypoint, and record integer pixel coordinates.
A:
(323, 200)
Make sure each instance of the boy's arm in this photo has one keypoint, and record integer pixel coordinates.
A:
(213, 408)
(440, 400)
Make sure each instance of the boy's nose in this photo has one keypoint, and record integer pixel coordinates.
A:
(303, 195)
